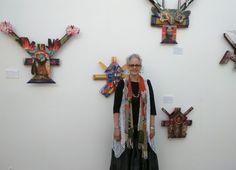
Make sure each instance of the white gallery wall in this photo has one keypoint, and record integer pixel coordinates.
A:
(68, 126)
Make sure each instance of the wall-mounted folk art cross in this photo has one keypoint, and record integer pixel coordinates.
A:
(170, 19)
(113, 74)
(177, 123)
(41, 55)
(228, 54)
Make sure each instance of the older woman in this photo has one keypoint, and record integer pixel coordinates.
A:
(134, 121)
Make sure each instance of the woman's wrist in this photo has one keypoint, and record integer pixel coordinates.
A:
(152, 127)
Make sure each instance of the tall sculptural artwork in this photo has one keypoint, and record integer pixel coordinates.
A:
(228, 54)
(41, 55)
(170, 19)
(112, 74)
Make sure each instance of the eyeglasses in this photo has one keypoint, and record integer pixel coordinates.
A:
(134, 65)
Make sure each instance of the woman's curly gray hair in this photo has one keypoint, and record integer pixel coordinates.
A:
(133, 56)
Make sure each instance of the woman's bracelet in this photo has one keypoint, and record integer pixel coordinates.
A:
(152, 127)
(116, 127)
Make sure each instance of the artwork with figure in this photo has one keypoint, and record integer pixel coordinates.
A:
(41, 55)
(177, 123)
(170, 19)
(228, 54)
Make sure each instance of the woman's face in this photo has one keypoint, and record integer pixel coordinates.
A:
(134, 66)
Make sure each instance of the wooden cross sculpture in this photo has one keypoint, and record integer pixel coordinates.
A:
(41, 55)
(170, 19)
(177, 123)
(228, 54)
(113, 74)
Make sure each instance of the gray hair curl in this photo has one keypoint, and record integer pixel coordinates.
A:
(133, 56)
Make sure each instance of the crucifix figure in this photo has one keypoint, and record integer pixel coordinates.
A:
(41, 55)
(170, 19)
(177, 123)
(113, 74)
(228, 54)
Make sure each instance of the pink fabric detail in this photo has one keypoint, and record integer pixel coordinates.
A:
(72, 30)
(6, 27)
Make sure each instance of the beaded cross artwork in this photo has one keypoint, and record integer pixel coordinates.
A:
(113, 74)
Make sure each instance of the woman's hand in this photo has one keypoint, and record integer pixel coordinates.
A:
(152, 132)
(117, 134)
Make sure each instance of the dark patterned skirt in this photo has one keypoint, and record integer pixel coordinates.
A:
(131, 159)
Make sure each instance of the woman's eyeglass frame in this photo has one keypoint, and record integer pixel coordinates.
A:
(135, 65)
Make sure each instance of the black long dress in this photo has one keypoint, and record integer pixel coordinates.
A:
(131, 159)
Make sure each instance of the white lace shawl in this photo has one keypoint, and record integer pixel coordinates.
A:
(119, 146)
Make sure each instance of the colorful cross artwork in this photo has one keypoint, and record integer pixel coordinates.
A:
(41, 55)
(177, 123)
(113, 74)
(170, 19)
(228, 54)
